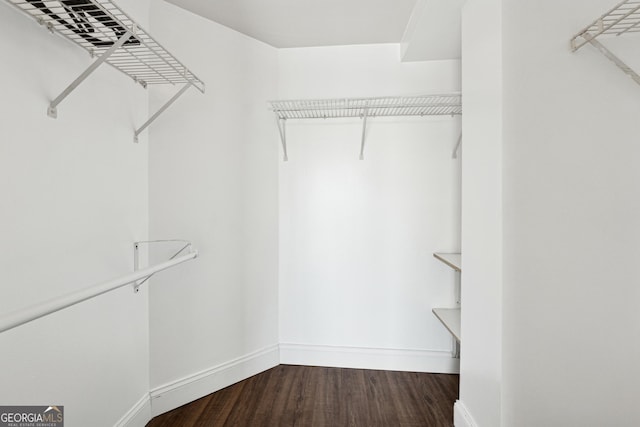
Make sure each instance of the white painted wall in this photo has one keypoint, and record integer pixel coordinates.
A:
(480, 364)
(357, 275)
(572, 222)
(74, 199)
(78, 192)
(565, 125)
(214, 181)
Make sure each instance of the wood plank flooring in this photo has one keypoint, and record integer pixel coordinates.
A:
(306, 396)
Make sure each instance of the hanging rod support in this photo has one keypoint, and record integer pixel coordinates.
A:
(52, 111)
(282, 128)
(136, 258)
(454, 155)
(364, 132)
(161, 110)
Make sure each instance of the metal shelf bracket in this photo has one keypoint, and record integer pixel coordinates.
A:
(136, 257)
(282, 128)
(613, 58)
(52, 111)
(455, 348)
(454, 155)
(161, 110)
(364, 132)
(623, 18)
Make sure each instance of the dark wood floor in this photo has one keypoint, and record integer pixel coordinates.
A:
(313, 396)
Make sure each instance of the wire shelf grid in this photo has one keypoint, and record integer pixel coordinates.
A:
(96, 25)
(623, 18)
(422, 105)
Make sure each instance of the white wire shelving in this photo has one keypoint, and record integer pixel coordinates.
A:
(364, 108)
(624, 18)
(108, 34)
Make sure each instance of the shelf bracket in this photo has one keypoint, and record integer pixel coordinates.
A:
(455, 348)
(161, 110)
(52, 111)
(364, 132)
(454, 155)
(282, 128)
(612, 57)
(136, 257)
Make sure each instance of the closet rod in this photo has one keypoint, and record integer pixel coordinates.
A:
(20, 317)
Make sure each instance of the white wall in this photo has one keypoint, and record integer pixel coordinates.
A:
(74, 199)
(78, 191)
(572, 222)
(480, 364)
(566, 127)
(357, 275)
(213, 180)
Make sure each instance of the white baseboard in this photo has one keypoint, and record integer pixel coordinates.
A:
(461, 416)
(369, 358)
(139, 415)
(188, 389)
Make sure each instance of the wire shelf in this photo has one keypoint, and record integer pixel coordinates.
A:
(623, 18)
(422, 105)
(392, 106)
(97, 25)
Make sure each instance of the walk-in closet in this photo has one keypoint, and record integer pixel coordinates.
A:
(347, 212)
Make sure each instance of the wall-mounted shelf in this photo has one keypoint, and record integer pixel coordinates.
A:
(450, 316)
(110, 35)
(364, 108)
(622, 19)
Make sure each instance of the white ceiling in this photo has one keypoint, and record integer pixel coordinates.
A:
(434, 31)
(306, 23)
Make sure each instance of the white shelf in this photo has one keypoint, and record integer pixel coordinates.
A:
(96, 25)
(450, 318)
(422, 105)
(453, 260)
(392, 106)
(622, 19)
(110, 36)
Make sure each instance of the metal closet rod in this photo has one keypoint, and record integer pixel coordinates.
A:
(20, 317)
